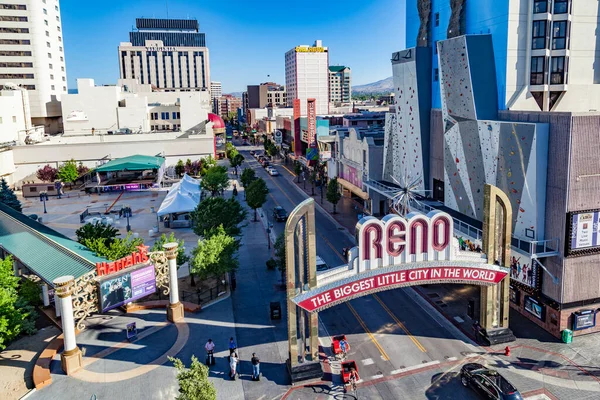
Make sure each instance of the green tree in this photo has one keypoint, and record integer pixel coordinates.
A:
(256, 195)
(116, 249)
(8, 197)
(11, 317)
(179, 168)
(236, 160)
(207, 164)
(248, 175)
(67, 172)
(297, 169)
(312, 179)
(215, 255)
(216, 211)
(193, 382)
(97, 231)
(333, 193)
(229, 150)
(280, 255)
(215, 180)
(182, 258)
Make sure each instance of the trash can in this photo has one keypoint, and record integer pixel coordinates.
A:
(567, 336)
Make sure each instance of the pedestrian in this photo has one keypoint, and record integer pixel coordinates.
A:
(232, 346)
(255, 367)
(233, 362)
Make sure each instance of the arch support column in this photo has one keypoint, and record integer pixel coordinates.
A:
(70, 358)
(175, 312)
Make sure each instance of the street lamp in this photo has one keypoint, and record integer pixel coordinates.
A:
(44, 198)
(127, 214)
(269, 237)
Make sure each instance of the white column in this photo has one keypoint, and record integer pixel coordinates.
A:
(45, 296)
(57, 305)
(171, 251)
(64, 288)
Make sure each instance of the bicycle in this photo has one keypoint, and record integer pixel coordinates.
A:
(352, 384)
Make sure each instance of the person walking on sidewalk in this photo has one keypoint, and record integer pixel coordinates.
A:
(232, 346)
(255, 367)
(233, 362)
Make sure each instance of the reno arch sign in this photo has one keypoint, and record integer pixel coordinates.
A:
(397, 252)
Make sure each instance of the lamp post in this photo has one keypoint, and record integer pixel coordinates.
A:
(44, 198)
(269, 237)
(127, 214)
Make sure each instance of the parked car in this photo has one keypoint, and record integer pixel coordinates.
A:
(252, 152)
(321, 265)
(279, 214)
(272, 171)
(265, 164)
(488, 383)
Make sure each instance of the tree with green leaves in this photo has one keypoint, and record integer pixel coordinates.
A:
(256, 195)
(193, 382)
(207, 163)
(117, 248)
(8, 197)
(297, 169)
(333, 193)
(312, 179)
(216, 180)
(215, 255)
(182, 258)
(97, 230)
(217, 211)
(179, 168)
(67, 172)
(229, 150)
(11, 317)
(248, 175)
(280, 260)
(236, 160)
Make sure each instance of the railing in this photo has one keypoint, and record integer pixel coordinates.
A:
(202, 297)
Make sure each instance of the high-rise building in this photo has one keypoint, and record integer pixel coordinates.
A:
(307, 76)
(340, 84)
(216, 90)
(169, 54)
(268, 94)
(32, 56)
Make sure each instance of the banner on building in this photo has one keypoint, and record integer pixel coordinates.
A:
(297, 134)
(584, 232)
(127, 286)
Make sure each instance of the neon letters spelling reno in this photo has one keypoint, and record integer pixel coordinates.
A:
(396, 240)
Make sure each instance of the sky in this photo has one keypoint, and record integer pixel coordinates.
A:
(247, 39)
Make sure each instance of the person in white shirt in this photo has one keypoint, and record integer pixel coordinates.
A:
(210, 346)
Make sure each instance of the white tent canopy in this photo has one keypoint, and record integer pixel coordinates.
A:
(184, 196)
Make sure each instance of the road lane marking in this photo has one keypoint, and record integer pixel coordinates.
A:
(384, 355)
(413, 367)
(400, 324)
(452, 358)
(288, 170)
(368, 361)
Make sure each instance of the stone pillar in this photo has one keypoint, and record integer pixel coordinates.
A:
(175, 312)
(70, 358)
(57, 305)
(45, 296)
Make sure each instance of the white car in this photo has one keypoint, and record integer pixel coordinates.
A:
(272, 171)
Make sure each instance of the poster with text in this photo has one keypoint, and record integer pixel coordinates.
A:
(126, 287)
(585, 230)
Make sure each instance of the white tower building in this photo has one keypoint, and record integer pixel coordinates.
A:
(307, 76)
(32, 56)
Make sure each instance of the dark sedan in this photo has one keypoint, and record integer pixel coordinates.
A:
(279, 214)
(488, 383)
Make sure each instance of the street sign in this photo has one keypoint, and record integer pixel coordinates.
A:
(278, 136)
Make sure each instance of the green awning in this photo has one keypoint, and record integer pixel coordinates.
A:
(47, 253)
(132, 163)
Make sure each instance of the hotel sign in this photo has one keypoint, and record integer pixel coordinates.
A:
(301, 49)
(150, 48)
(138, 257)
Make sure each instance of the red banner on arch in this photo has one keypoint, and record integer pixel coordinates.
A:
(413, 276)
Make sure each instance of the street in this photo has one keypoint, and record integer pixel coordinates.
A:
(389, 332)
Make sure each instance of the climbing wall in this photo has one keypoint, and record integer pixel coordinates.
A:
(403, 149)
(476, 151)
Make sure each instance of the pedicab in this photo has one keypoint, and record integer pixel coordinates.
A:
(346, 371)
(335, 345)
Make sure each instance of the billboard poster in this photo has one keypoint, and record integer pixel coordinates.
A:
(523, 269)
(585, 230)
(311, 106)
(297, 134)
(126, 287)
(534, 307)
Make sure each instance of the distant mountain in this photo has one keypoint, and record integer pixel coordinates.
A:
(382, 86)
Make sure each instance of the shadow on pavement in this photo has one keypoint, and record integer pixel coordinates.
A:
(448, 386)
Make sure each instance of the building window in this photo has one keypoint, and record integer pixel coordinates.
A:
(559, 35)
(61, 58)
(437, 19)
(49, 55)
(12, 7)
(56, 8)
(12, 18)
(14, 30)
(561, 6)
(51, 76)
(46, 22)
(62, 69)
(57, 28)
(538, 65)
(50, 66)
(436, 74)
(14, 119)
(48, 44)
(47, 34)
(539, 35)
(540, 7)
(16, 76)
(557, 71)
(59, 39)
(64, 79)
(64, 88)
(60, 48)
(14, 41)
(58, 19)
(45, 11)
(16, 65)
(52, 87)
